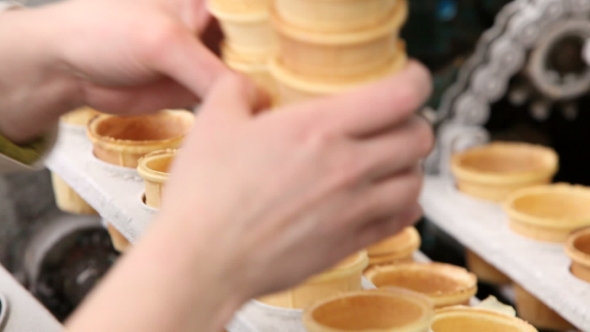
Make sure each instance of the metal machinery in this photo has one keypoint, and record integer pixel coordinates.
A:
(528, 72)
(60, 258)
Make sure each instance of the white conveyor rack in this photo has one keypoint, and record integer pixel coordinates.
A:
(116, 193)
(540, 268)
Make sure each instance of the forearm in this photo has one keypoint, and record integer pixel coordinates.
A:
(170, 282)
(35, 88)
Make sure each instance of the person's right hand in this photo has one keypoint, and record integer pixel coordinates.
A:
(277, 197)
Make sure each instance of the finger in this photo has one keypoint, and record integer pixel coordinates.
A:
(397, 149)
(212, 36)
(162, 94)
(185, 59)
(380, 230)
(233, 98)
(390, 196)
(372, 108)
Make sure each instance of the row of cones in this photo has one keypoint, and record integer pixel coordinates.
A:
(297, 50)
(147, 143)
(519, 176)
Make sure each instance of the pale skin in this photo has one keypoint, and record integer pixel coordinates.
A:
(256, 202)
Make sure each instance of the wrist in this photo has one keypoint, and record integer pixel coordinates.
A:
(170, 282)
(35, 83)
(193, 260)
(178, 265)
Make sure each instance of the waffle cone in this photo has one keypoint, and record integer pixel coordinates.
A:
(460, 318)
(67, 199)
(153, 168)
(445, 284)
(293, 88)
(484, 271)
(548, 213)
(253, 66)
(343, 278)
(396, 249)
(80, 116)
(493, 171)
(248, 32)
(123, 140)
(376, 311)
(241, 6)
(329, 16)
(577, 248)
(340, 56)
(538, 314)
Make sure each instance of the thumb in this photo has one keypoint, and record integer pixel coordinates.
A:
(232, 98)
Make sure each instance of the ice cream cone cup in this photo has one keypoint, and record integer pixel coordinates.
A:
(484, 271)
(292, 88)
(120, 243)
(538, 314)
(252, 66)
(248, 32)
(241, 6)
(396, 249)
(466, 319)
(577, 248)
(337, 16)
(389, 259)
(446, 285)
(80, 116)
(548, 213)
(333, 57)
(344, 277)
(153, 168)
(67, 199)
(493, 171)
(122, 140)
(398, 310)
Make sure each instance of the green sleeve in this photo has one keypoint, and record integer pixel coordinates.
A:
(27, 154)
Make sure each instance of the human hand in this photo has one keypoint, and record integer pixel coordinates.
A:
(280, 196)
(137, 55)
(117, 56)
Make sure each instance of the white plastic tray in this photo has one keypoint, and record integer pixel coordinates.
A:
(115, 192)
(541, 268)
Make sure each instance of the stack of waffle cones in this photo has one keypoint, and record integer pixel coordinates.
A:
(249, 38)
(297, 50)
(326, 47)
